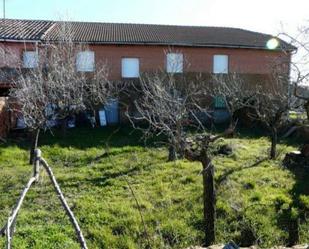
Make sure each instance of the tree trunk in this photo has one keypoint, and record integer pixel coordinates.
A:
(293, 232)
(209, 197)
(64, 123)
(232, 125)
(34, 144)
(306, 105)
(274, 140)
(172, 153)
(97, 118)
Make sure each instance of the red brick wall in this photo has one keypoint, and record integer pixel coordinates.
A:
(198, 59)
(13, 53)
(245, 61)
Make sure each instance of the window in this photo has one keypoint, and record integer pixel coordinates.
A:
(174, 63)
(30, 59)
(85, 61)
(220, 64)
(130, 68)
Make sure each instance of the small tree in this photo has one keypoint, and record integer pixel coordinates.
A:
(53, 89)
(300, 63)
(168, 105)
(267, 101)
(268, 104)
(271, 104)
(233, 90)
(171, 104)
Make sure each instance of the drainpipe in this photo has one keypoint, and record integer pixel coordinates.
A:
(37, 47)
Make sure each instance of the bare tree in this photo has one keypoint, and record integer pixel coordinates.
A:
(53, 88)
(171, 104)
(197, 149)
(234, 91)
(168, 104)
(267, 101)
(271, 104)
(266, 104)
(300, 63)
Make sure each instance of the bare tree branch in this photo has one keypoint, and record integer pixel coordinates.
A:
(55, 87)
(168, 104)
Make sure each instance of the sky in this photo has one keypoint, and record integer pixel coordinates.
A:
(267, 16)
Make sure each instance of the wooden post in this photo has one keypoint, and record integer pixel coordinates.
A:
(209, 196)
(196, 149)
(36, 165)
(274, 140)
(8, 234)
(34, 144)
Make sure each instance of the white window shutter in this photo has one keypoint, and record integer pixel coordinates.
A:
(85, 61)
(174, 63)
(30, 59)
(221, 64)
(130, 68)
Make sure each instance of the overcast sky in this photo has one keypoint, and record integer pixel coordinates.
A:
(259, 15)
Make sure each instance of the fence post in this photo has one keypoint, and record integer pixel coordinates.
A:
(8, 234)
(36, 165)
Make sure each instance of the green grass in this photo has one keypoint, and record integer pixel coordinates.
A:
(294, 115)
(251, 199)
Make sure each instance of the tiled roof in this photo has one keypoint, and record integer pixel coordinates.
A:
(117, 33)
(23, 29)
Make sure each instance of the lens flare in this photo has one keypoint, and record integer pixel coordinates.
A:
(273, 43)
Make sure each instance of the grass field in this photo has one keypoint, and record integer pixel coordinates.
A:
(252, 199)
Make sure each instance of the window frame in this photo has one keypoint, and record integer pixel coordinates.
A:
(226, 71)
(130, 75)
(170, 69)
(82, 66)
(34, 62)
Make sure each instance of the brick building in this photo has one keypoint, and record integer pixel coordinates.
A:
(131, 49)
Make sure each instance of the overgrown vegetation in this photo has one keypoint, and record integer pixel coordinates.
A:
(252, 194)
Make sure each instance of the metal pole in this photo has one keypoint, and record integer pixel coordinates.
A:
(3, 27)
(3, 9)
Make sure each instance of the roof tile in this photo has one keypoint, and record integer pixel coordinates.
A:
(119, 33)
(23, 29)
